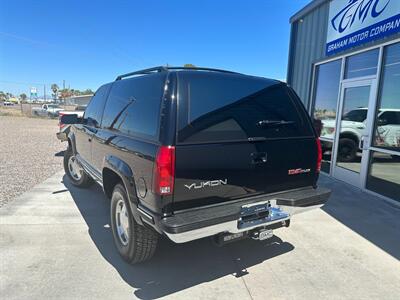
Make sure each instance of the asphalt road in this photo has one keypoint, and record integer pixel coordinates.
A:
(29, 153)
(55, 242)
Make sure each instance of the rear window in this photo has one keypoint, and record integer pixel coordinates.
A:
(233, 107)
(94, 110)
(133, 106)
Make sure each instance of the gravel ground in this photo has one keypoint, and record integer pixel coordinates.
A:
(29, 153)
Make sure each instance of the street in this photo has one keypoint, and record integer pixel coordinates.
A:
(56, 243)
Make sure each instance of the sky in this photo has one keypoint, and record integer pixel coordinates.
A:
(88, 43)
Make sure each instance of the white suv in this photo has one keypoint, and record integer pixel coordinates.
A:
(353, 126)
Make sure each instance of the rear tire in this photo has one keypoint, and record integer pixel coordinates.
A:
(347, 150)
(135, 243)
(74, 171)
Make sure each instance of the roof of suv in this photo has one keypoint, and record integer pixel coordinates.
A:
(193, 69)
(166, 69)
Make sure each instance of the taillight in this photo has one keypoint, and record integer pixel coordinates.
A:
(60, 125)
(319, 155)
(164, 171)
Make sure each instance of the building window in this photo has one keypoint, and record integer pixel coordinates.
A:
(325, 102)
(384, 168)
(387, 119)
(384, 175)
(362, 64)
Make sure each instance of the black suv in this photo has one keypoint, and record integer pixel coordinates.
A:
(195, 152)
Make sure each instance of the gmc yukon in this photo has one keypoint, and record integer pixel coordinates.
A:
(195, 152)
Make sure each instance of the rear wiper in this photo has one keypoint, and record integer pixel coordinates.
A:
(274, 123)
(131, 100)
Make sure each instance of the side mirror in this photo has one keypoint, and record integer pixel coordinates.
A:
(70, 119)
(382, 122)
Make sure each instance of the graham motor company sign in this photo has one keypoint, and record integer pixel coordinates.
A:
(354, 22)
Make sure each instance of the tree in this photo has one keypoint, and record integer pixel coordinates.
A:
(54, 88)
(23, 96)
(87, 92)
(65, 93)
(189, 66)
(2, 95)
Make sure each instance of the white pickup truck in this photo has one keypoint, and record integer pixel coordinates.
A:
(50, 110)
(62, 134)
(353, 127)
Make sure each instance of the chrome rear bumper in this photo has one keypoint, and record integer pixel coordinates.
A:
(281, 209)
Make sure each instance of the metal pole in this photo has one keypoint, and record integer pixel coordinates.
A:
(63, 98)
(44, 92)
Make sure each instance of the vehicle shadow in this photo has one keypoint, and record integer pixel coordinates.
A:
(371, 217)
(174, 267)
(60, 153)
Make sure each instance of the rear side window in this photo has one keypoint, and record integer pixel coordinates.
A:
(233, 107)
(390, 117)
(93, 112)
(133, 106)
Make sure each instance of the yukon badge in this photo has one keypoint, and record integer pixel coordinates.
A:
(204, 184)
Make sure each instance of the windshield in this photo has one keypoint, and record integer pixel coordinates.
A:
(53, 106)
(358, 115)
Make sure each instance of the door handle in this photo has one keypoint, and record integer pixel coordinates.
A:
(361, 142)
(87, 129)
(258, 157)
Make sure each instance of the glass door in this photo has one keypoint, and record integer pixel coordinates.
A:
(352, 137)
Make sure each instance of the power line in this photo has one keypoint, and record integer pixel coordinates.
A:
(24, 83)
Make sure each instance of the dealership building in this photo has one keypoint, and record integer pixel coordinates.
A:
(344, 63)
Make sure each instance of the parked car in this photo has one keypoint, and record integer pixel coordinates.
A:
(353, 127)
(193, 153)
(50, 110)
(63, 132)
(8, 103)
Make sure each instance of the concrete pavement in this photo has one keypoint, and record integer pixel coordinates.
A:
(55, 242)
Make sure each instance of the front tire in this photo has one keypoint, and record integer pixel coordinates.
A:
(347, 150)
(135, 243)
(74, 171)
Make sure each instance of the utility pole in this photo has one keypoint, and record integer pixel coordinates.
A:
(44, 92)
(63, 98)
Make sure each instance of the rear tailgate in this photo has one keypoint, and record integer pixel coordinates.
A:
(79, 114)
(239, 136)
